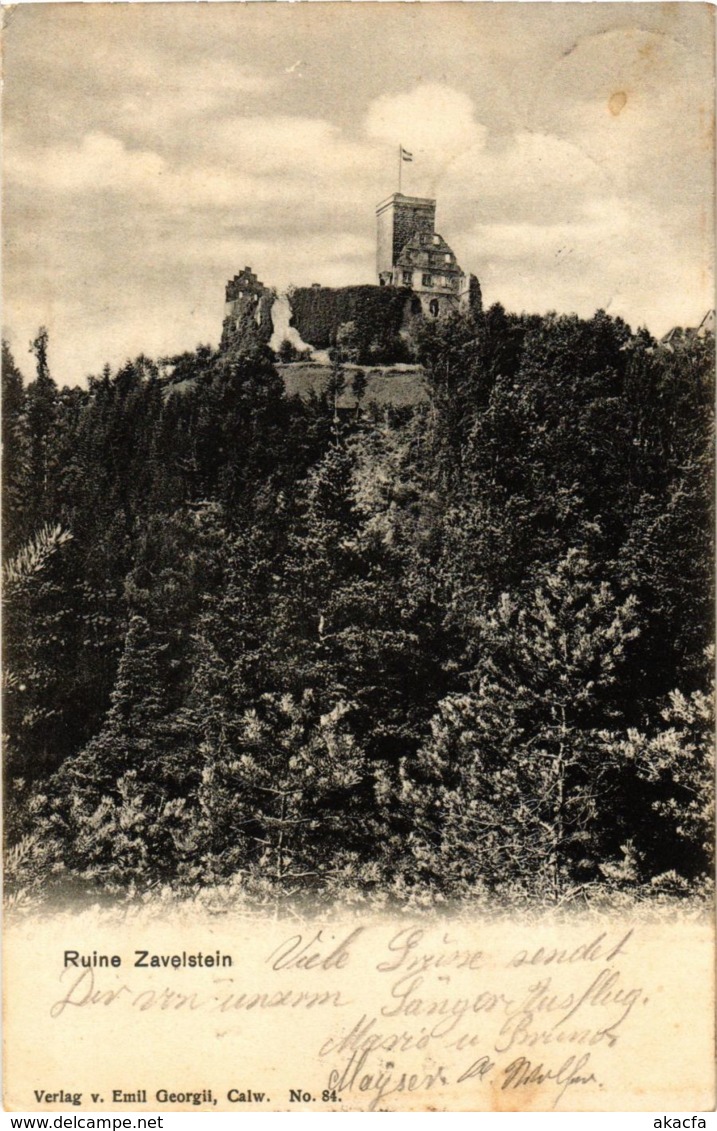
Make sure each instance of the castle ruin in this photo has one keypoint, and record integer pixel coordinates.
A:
(247, 299)
(419, 278)
(410, 253)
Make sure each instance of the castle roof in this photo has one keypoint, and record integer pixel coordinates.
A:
(430, 252)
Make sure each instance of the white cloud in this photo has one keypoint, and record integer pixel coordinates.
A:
(433, 121)
(99, 163)
(256, 162)
(531, 177)
(618, 255)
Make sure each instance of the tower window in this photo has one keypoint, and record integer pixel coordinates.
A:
(407, 278)
(433, 307)
(447, 258)
(428, 280)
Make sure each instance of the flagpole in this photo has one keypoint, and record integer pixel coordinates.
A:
(400, 163)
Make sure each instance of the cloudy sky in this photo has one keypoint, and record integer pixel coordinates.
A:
(152, 150)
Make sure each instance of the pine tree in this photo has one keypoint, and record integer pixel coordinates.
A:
(38, 624)
(42, 403)
(15, 459)
(674, 759)
(514, 783)
(278, 803)
(119, 807)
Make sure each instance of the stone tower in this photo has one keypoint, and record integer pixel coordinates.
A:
(399, 218)
(410, 253)
(247, 301)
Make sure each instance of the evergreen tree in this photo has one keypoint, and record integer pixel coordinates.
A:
(41, 410)
(278, 801)
(16, 455)
(38, 624)
(674, 758)
(119, 808)
(514, 784)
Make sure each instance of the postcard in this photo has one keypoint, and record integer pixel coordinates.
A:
(358, 409)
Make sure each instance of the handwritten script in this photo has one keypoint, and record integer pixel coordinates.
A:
(419, 1016)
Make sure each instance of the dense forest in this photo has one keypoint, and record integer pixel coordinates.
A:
(437, 653)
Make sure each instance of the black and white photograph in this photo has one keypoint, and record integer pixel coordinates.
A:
(358, 508)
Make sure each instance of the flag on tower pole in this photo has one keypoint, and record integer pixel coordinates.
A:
(403, 155)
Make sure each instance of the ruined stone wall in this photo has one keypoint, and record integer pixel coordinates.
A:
(367, 319)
